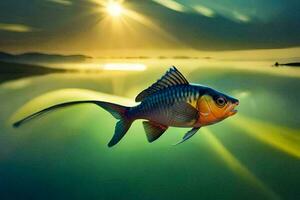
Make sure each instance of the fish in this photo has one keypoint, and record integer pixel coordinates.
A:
(169, 102)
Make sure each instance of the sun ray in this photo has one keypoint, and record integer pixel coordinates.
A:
(236, 166)
(120, 17)
(149, 24)
(281, 138)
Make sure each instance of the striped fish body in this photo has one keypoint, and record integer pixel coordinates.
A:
(170, 101)
(173, 101)
(174, 106)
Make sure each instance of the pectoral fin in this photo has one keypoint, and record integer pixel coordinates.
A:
(188, 135)
(153, 130)
(184, 113)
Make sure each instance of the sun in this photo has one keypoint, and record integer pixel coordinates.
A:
(114, 9)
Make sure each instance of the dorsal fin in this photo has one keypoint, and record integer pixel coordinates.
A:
(170, 78)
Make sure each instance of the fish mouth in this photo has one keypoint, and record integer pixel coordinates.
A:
(233, 110)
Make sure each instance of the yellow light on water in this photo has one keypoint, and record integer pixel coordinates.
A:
(124, 66)
(236, 166)
(114, 9)
(281, 138)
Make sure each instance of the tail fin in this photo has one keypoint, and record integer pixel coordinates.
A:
(121, 129)
(124, 123)
(118, 111)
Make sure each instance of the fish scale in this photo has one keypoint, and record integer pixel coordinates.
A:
(159, 105)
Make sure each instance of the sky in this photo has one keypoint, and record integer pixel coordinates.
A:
(86, 26)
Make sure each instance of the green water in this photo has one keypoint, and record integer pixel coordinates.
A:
(64, 154)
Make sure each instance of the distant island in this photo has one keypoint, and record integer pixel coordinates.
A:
(35, 57)
(292, 64)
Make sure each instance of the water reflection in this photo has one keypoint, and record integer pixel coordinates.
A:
(17, 84)
(124, 67)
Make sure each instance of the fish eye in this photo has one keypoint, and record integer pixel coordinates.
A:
(221, 101)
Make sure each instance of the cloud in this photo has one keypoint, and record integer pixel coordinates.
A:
(21, 28)
(62, 2)
(207, 12)
(241, 17)
(171, 4)
(233, 26)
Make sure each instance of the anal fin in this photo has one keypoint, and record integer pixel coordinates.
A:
(153, 130)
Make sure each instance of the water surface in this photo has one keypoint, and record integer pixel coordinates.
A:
(64, 154)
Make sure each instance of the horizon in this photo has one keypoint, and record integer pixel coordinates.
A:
(239, 55)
